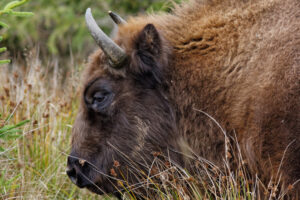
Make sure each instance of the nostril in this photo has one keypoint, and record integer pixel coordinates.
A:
(78, 178)
(72, 175)
(78, 171)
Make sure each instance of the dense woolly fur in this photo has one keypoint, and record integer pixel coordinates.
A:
(235, 61)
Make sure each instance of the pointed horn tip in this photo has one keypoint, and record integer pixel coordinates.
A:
(88, 12)
(116, 18)
(112, 14)
(114, 52)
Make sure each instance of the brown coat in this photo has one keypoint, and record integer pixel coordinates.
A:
(235, 62)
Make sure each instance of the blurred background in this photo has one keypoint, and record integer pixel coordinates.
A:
(57, 29)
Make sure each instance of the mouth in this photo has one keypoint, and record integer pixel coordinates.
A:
(83, 176)
(82, 181)
(90, 186)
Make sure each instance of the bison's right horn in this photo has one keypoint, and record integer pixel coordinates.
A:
(116, 18)
(114, 52)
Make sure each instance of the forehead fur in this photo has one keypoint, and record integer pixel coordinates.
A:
(97, 66)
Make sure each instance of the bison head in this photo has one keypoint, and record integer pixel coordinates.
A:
(125, 114)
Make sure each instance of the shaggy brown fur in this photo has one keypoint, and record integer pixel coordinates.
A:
(237, 61)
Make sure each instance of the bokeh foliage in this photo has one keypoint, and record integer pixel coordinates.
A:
(8, 10)
(58, 27)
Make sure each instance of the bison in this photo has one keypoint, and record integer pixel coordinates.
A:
(191, 81)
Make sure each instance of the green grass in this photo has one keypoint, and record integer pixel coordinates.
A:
(33, 163)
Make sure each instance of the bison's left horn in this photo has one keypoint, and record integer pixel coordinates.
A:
(116, 18)
(114, 52)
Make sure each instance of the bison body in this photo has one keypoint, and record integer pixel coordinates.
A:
(211, 70)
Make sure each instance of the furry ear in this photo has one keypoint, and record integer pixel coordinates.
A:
(147, 54)
(149, 40)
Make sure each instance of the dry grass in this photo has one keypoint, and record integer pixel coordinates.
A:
(33, 166)
(166, 180)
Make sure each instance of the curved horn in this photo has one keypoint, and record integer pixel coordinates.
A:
(116, 18)
(114, 52)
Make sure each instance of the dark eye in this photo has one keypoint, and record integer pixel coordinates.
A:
(99, 97)
(100, 101)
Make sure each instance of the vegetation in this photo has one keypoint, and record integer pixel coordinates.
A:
(33, 153)
(33, 166)
(58, 27)
(8, 10)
